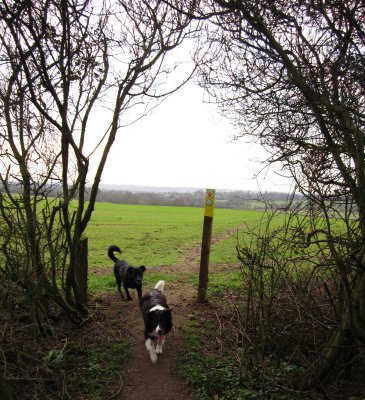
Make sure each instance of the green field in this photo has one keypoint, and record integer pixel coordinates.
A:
(159, 235)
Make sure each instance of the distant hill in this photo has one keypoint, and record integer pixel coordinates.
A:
(193, 197)
(153, 189)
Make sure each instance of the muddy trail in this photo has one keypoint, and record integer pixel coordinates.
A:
(139, 378)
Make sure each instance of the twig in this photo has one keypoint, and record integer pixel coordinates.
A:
(121, 384)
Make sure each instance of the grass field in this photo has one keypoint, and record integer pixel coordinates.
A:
(159, 235)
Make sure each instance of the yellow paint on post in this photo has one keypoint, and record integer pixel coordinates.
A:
(209, 202)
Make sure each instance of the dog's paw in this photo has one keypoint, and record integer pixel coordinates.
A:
(153, 358)
(158, 349)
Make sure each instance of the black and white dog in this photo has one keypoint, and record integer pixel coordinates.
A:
(130, 276)
(157, 319)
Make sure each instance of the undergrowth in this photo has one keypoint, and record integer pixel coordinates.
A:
(226, 375)
(69, 362)
(229, 358)
(100, 364)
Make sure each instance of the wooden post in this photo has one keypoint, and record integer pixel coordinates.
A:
(205, 250)
(82, 269)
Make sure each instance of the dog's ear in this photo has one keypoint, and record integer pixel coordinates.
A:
(142, 268)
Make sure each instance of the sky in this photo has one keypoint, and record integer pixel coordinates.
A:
(185, 142)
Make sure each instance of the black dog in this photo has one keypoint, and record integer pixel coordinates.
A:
(157, 319)
(130, 276)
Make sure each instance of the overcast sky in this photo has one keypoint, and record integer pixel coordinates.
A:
(186, 143)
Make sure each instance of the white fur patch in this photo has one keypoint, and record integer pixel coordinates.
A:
(157, 307)
(160, 286)
(151, 349)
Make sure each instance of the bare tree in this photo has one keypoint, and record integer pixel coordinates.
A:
(291, 74)
(62, 62)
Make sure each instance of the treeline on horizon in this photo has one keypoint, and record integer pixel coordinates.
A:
(249, 200)
(232, 199)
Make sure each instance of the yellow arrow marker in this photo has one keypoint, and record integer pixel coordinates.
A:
(209, 203)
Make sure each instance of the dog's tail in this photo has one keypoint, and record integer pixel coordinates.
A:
(160, 285)
(111, 251)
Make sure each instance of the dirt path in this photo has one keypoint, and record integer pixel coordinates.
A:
(141, 378)
(144, 379)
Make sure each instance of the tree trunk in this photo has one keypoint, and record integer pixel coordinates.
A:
(358, 307)
(82, 270)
